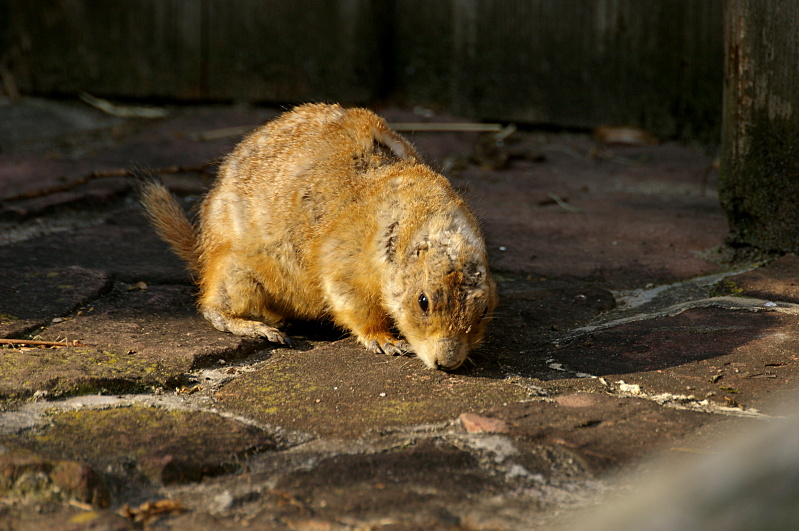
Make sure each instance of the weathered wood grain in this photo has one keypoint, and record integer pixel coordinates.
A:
(759, 185)
(293, 51)
(137, 48)
(580, 63)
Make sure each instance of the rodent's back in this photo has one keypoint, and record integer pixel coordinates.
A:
(326, 212)
(295, 172)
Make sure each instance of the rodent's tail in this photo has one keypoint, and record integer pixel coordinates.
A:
(168, 219)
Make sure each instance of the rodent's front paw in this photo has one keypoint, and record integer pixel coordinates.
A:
(394, 348)
(276, 336)
(258, 329)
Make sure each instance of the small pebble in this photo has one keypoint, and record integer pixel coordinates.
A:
(474, 423)
(222, 502)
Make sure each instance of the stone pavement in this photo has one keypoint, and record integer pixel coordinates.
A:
(626, 330)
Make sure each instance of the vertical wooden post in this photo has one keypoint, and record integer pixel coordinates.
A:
(759, 184)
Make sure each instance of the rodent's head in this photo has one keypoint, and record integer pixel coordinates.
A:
(445, 296)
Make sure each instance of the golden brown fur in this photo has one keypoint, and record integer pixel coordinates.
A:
(327, 213)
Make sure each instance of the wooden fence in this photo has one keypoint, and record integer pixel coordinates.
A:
(576, 63)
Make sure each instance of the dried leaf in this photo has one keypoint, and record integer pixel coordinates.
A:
(149, 512)
(629, 136)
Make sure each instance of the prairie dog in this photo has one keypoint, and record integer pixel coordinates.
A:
(325, 213)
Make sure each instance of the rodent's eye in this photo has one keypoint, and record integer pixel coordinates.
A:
(424, 304)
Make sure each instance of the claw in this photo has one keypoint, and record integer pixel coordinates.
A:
(404, 346)
(282, 339)
(391, 348)
(275, 336)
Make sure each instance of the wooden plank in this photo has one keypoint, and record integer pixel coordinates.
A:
(294, 51)
(759, 185)
(136, 48)
(581, 63)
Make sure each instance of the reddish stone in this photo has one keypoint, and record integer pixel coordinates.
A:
(474, 423)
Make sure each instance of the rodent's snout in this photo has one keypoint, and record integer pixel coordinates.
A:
(446, 354)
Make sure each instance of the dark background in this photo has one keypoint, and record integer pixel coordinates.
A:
(575, 64)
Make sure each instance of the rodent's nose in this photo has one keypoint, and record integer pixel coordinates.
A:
(451, 367)
(450, 354)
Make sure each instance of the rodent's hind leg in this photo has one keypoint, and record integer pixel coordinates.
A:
(245, 327)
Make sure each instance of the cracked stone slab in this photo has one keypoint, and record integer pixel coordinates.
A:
(368, 484)
(32, 296)
(729, 357)
(151, 445)
(529, 305)
(447, 482)
(776, 281)
(137, 339)
(627, 225)
(749, 480)
(441, 482)
(590, 426)
(29, 477)
(341, 390)
(530, 316)
(124, 246)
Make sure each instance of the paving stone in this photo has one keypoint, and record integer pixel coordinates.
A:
(633, 216)
(776, 281)
(124, 246)
(750, 480)
(342, 390)
(136, 339)
(731, 357)
(590, 425)
(377, 440)
(551, 306)
(94, 196)
(28, 477)
(434, 478)
(471, 482)
(79, 140)
(59, 517)
(164, 446)
(32, 296)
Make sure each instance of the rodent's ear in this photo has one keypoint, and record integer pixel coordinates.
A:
(473, 273)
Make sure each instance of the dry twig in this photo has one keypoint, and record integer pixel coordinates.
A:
(122, 111)
(448, 127)
(105, 174)
(38, 343)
